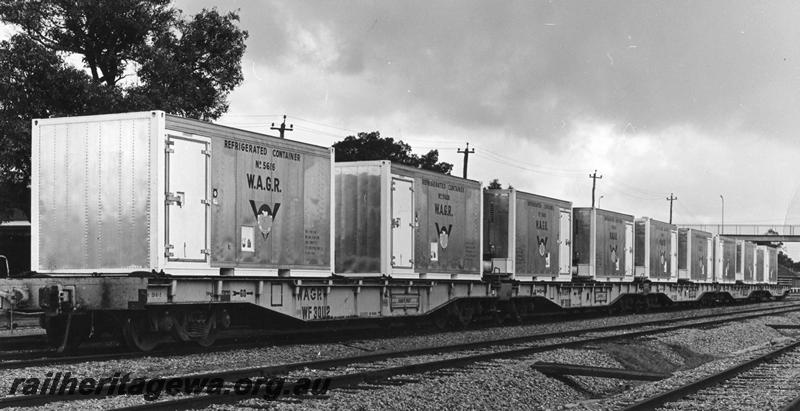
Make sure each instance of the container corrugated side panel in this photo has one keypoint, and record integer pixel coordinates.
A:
(537, 235)
(761, 260)
(358, 218)
(93, 185)
(433, 194)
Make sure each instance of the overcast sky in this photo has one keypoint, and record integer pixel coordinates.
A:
(695, 98)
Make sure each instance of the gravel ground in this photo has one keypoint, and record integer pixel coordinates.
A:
(486, 378)
(688, 354)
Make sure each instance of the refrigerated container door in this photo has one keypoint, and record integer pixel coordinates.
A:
(403, 224)
(186, 200)
(673, 260)
(710, 259)
(565, 232)
(628, 249)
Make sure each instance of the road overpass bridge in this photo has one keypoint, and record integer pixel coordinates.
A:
(753, 232)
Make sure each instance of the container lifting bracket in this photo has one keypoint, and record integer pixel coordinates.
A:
(167, 253)
(204, 201)
(396, 222)
(168, 149)
(207, 152)
(205, 251)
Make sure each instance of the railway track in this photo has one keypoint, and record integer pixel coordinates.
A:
(23, 342)
(770, 381)
(349, 371)
(50, 358)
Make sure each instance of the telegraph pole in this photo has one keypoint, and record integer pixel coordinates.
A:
(671, 198)
(594, 178)
(466, 152)
(282, 128)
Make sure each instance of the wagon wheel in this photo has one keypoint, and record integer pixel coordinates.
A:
(137, 337)
(209, 339)
(210, 334)
(187, 328)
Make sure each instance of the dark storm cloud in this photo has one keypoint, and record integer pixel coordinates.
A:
(532, 68)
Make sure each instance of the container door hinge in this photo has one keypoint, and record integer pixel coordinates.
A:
(207, 152)
(168, 149)
(206, 202)
(174, 199)
(167, 253)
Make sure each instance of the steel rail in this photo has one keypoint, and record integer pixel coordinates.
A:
(9, 362)
(685, 390)
(504, 352)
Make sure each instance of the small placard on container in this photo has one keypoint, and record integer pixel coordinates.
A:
(248, 238)
(434, 251)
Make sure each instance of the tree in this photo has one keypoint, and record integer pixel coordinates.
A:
(371, 146)
(182, 66)
(787, 262)
(35, 82)
(495, 184)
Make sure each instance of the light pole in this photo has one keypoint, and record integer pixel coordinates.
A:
(722, 226)
(598, 201)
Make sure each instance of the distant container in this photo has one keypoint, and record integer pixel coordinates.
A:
(406, 222)
(724, 260)
(656, 250)
(695, 259)
(536, 228)
(761, 264)
(602, 244)
(746, 261)
(771, 267)
(150, 191)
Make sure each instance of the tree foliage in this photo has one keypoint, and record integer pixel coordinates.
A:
(185, 66)
(787, 262)
(371, 146)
